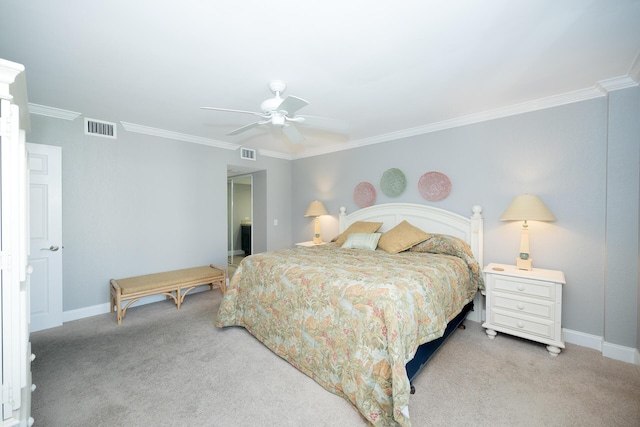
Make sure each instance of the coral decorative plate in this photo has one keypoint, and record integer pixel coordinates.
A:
(393, 182)
(364, 195)
(434, 186)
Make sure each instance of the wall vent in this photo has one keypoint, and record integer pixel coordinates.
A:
(247, 153)
(99, 128)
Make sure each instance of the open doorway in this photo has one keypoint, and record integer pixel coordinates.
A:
(239, 218)
(246, 198)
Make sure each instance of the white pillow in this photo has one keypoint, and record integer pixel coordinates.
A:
(368, 241)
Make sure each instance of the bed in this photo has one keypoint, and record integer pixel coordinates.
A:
(362, 322)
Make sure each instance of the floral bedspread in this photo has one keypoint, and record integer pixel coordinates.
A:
(350, 319)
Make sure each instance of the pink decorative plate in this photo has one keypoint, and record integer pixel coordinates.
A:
(364, 195)
(434, 186)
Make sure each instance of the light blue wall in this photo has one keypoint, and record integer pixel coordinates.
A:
(143, 204)
(623, 193)
(558, 153)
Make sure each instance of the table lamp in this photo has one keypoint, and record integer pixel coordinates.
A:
(522, 208)
(316, 208)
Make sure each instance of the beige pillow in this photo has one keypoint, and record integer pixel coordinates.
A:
(358, 227)
(401, 237)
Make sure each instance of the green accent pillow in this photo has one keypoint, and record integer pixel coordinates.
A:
(368, 241)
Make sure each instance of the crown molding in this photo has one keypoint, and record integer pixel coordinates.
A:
(601, 89)
(512, 110)
(56, 113)
(275, 154)
(615, 83)
(162, 133)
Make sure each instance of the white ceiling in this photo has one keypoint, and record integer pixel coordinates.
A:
(388, 68)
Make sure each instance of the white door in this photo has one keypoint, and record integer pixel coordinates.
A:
(45, 210)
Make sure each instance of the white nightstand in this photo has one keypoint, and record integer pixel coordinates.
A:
(527, 304)
(310, 244)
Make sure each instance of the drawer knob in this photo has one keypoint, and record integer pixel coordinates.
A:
(520, 325)
(521, 287)
(520, 306)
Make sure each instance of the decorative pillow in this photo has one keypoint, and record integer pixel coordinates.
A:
(451, 245)
(444, 244)
(368, 241)
(402, 237)
(358, 227)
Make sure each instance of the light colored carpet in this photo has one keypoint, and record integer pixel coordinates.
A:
(164, 367)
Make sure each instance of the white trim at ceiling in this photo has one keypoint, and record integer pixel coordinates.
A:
(147, 130)
(275, 154)
(602, 88)
(57, 113)
(615, 83)
(634, 70)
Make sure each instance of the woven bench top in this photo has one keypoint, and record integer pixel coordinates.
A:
(168, 278)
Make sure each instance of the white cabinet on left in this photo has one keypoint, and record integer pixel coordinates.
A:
(15, 347)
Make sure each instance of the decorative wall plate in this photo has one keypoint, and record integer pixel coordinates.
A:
(434, 186)
(393, 182)
(364, 195)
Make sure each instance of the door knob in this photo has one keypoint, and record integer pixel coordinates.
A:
(50, 248)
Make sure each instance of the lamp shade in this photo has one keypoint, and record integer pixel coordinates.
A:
(316, 208)
(527, 207)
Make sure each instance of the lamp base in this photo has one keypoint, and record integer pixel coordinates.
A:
(317, 238)
(524, 264)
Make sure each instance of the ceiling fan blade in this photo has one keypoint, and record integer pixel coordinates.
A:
(247, 127)
(334, 125)
(293, 134)
(291, 104)
(235, 111)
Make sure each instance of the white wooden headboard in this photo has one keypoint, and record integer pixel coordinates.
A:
(426, 218)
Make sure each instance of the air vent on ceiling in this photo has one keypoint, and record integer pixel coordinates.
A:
(99, 128)
(247, 153)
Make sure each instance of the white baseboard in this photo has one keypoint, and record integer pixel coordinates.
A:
(618, 352)
(95, 310)
(582, 339)
(612, 351)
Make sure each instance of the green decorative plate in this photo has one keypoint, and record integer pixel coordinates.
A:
(393, 182)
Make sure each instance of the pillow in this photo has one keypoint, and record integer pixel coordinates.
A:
(368, 241)
(444, 244)
(451, 245)
(402, 237)
(358, 227)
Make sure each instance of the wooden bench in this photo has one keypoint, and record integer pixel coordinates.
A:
(174, 284)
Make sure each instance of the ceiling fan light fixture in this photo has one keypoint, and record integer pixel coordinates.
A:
(278, 111)
(277, 119)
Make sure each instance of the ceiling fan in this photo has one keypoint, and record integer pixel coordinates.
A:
(280, 112)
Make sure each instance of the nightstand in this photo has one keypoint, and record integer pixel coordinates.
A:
(526, 304)
(310, 243)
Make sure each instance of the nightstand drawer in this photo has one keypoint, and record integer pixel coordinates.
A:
(522, 325)
(520, 286)
(530, 306)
